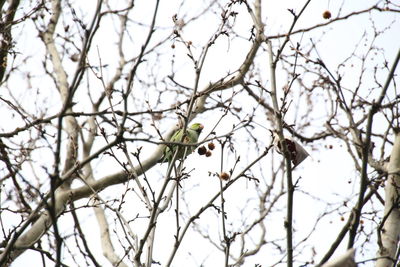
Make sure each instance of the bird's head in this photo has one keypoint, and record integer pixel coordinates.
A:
(198, 127)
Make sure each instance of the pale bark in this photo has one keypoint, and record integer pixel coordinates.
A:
(346, 260)
(391, 226)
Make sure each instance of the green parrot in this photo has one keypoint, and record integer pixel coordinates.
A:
(191, 137)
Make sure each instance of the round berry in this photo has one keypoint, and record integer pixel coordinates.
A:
(202, 150)
(211, 146)
(327, 14)
(224, 176)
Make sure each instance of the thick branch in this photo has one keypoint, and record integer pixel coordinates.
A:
(391, 228)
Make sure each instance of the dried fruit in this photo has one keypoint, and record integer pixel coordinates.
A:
(208, 153)
(202, 150)
(224, 176)
(327, 14)
(211, 146)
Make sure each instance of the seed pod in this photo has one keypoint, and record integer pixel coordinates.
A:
(224, 176)
(327, 14)
(202, 150)
(211, 146)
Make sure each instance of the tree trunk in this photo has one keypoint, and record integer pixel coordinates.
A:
(391, 226)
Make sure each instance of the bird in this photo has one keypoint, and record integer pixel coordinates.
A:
(191, 137)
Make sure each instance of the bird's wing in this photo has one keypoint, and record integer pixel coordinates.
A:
(170, 150)
(191, 137)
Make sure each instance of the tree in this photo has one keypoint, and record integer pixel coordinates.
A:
(92, 92)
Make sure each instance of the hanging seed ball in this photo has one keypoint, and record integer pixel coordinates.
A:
(224, 176)
(208, 153)
(202, 150)
(211, 146)
(327, 14)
